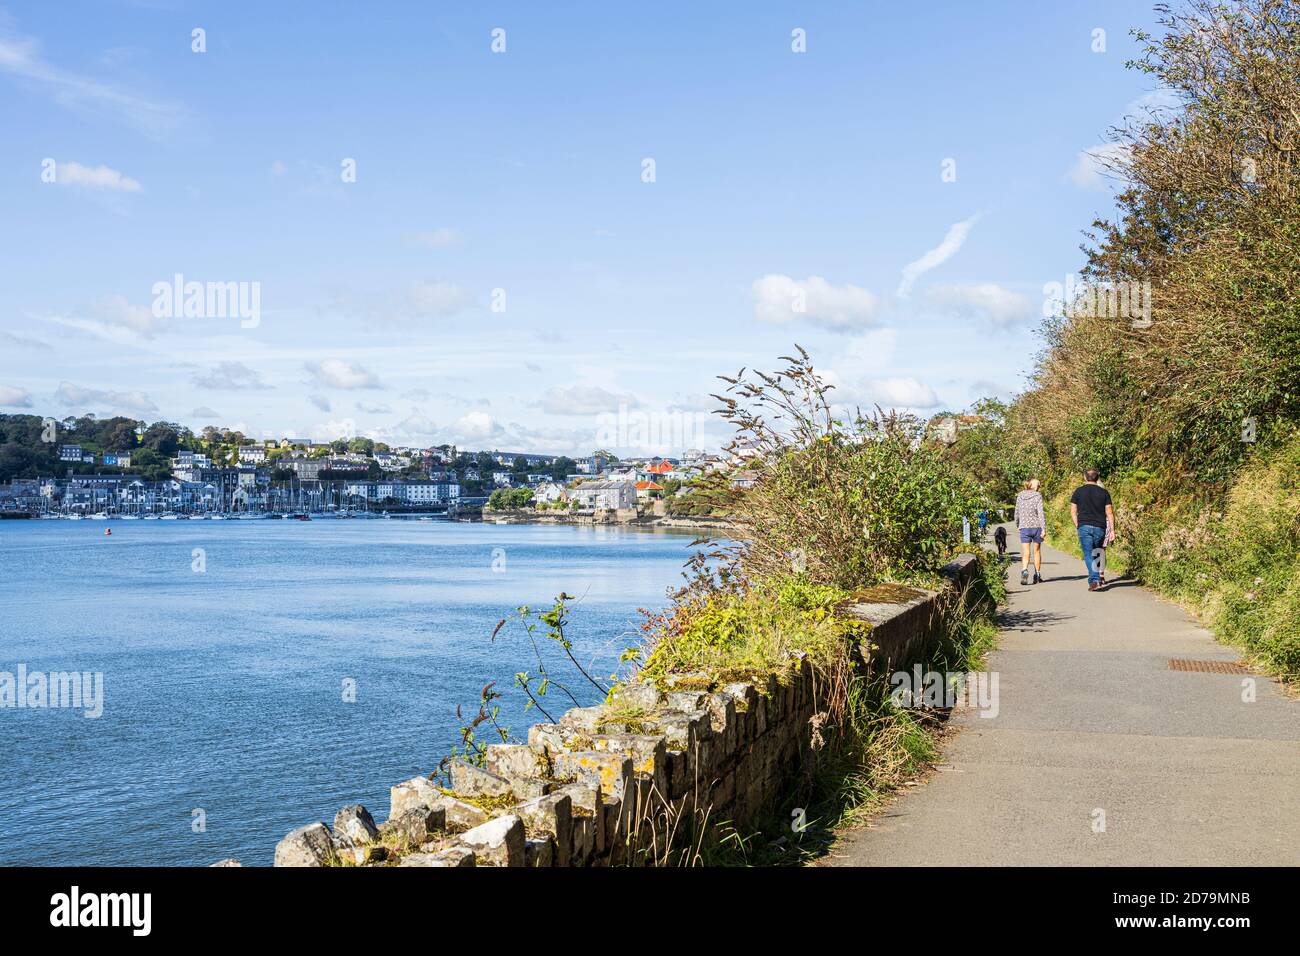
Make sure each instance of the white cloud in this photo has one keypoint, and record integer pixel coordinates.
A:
(477, 426)
(332, 429)
(985, 300)
(320, 402)
(117, 310)
(71, 173)
(779, 299)
(206, 413)
(584, 400)
(953, 240)
(1093, 166)
(20, 57)
(900, 393)
(278, 168)
(135, 402)
(438, 298)
(14, 397)
(380, 409)
(415, 429)
(231, 376)
(336, 373)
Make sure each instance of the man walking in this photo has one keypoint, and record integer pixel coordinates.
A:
(1093, 512)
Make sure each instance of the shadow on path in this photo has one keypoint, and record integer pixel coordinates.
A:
(1030, 620)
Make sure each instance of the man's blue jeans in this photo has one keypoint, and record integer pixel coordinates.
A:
(1090, 538)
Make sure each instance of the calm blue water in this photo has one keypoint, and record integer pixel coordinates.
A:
(223, 690)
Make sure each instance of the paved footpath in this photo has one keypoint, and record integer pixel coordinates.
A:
(1091, 719)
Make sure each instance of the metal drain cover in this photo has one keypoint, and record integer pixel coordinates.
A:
(1207, 667)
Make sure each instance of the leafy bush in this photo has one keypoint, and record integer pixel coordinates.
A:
(846, 504)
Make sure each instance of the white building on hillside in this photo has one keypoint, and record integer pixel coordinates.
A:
(608, 495)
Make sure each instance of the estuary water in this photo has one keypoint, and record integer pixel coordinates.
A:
(258, 675)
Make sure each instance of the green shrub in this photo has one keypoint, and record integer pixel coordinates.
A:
(846, 503)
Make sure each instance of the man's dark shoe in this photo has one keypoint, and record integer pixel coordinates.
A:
(1038, 578)
(1094, 586)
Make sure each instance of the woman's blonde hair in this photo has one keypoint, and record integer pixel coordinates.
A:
(1032, 484)
(1027, 488)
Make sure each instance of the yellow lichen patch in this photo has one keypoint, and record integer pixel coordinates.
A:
(490, 805)
(609, 772)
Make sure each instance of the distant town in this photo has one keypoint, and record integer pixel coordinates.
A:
(124, 469)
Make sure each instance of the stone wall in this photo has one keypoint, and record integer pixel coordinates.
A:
(610, 782)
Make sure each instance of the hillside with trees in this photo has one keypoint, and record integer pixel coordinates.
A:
(1191, 417)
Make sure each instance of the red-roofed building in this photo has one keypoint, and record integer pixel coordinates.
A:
(644, 489)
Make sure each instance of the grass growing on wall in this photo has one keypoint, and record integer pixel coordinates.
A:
(876, 748)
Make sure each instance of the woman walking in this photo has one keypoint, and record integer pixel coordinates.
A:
(1031, 522)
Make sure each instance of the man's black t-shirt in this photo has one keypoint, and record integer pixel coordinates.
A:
(1091, 501)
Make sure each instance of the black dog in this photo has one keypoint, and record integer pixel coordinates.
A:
(1000, 539)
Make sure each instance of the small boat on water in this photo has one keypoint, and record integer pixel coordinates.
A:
(169, 517)
(150, 517)
(108, 531)
(218, 517)
(75, 517)
(130, 517)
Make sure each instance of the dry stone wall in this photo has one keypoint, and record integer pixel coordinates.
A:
(612, 782)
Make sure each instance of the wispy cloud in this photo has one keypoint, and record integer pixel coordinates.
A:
(22, 341)
(72, 173)
(952, 242)
(231, 377)
(20, 57)
(585, 400)
(134, 402)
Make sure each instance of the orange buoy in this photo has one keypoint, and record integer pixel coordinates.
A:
(108, 531)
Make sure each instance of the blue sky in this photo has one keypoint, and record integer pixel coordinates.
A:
(791, 191)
